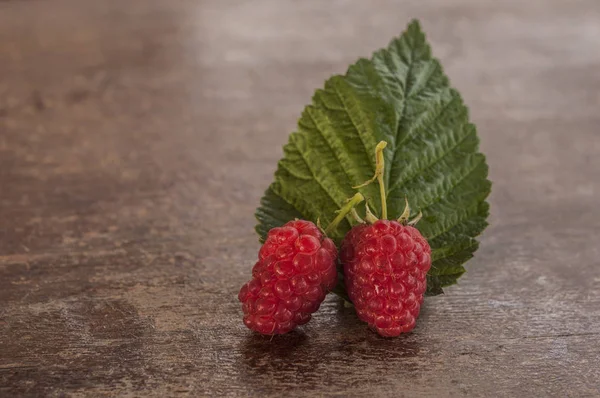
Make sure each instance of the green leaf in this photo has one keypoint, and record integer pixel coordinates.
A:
(400, 96)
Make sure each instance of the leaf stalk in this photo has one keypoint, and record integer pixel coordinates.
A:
(343, 212)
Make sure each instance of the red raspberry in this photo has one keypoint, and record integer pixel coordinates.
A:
(385, 268)
(296, 268)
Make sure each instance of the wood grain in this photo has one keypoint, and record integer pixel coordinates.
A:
(136, 139)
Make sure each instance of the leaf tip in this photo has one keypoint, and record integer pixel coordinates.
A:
(415, 25)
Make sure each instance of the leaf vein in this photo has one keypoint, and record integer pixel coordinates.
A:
(428, 166)
(355, 127)
(452, 187)
(336, 204)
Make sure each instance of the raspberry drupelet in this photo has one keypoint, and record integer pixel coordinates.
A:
(296, 268)
(385, 269)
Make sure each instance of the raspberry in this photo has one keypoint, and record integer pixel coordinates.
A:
(385, 268)
(296, 268)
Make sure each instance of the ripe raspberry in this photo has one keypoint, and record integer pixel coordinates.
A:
(296, 268)
(385, 268)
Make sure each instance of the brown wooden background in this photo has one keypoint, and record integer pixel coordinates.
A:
(137, 137)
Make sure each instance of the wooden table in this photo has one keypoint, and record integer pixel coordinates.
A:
(136, 139)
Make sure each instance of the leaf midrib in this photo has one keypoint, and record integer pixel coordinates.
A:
(399, 183)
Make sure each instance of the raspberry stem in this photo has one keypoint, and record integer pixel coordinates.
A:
(379, 171)
(379, 168)
(344, 211)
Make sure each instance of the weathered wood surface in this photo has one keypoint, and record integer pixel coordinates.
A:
(136, 139)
